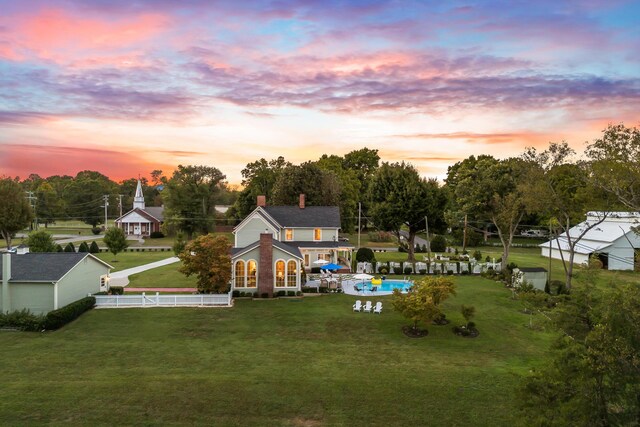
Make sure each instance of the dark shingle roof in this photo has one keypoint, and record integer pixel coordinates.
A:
(155, 211)
(310, 216)
(48, 267)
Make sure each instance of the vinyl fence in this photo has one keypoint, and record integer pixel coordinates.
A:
(164, 300)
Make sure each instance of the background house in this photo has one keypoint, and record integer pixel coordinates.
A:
(273, 245)
(613, 241)
(536, 276)
(141, 221)
(41, 282)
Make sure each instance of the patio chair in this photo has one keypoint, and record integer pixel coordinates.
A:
(367, 307)
(356, 288)
(378, 308)
(357, 306)
(374, 288)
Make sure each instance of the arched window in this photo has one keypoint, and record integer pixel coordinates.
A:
(240, 279)
(251, 274)
(280, 273)
(292, 277)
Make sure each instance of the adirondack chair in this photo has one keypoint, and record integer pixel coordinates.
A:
(367, 307)
(378, 308)
(357, 306)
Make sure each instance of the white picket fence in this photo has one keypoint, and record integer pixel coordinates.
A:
(164, 300)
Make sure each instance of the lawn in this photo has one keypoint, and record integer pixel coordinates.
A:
(307, 362)
(166, 276)
(126, 260)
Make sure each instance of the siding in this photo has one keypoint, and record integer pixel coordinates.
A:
(306, 235)
(250, 232)
(81, 280)
(36, 297)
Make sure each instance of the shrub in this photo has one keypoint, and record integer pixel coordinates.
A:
(291, 293)
(23, 320)
(281, 293)
(365, 255)
(58, 318)
(93, 248)
(323, 289)
(235, 294)
(96, 230)
(309, 290)
(264, 295)
(487, 259)
(179, 244)
(83, 247)
(438, 243)
(402, 248)
(69, 247)
(408, 270)
(59, 248)
(450, 272)
(423, 271)
(397, 270)
(383, 270)
(156, 235)
(116, 290)
(380, 236)
(242, 294)
(477, 255)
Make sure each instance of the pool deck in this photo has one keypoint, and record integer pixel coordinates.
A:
(348, 288)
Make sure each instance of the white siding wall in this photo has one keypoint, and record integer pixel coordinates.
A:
(250, 231)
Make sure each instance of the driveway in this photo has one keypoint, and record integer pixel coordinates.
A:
(121, 278)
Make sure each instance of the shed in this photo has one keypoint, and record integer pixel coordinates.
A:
(537, 276)
(41, 282)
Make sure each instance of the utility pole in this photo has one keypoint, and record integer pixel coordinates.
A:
(32, 202)
(120, 203)
(464, 236)
(106, 205)
(426, 223)
(359, 219)
(550, 240)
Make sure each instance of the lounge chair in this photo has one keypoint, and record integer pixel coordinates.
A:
(357, 306)
(378, 308)
(357, 289)
(367, 307)
(374, 288)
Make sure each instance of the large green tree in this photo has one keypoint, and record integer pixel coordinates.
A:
(115, 240)
(401, 198)
(488, 189)
(321, 187)
(350, 189)
(190, 197)
(85, 197)
(563, 191)
(40, 241)
(15, 212)
(208, 258)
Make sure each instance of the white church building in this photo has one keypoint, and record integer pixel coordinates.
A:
(141, 221)
(614, 241)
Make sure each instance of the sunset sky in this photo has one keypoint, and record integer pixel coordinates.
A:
(125, 87)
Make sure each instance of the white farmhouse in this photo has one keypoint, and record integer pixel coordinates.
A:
(613, 241)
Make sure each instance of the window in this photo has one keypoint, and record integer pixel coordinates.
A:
(279, 274)
(288, 234)
(251, 274)
(240, 279)
(317, 234)
(292, 277)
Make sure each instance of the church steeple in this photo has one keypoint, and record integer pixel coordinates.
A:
(138, 199)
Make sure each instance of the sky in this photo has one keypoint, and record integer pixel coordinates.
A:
(126, 87)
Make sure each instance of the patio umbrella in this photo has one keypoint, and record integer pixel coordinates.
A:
(321, 262)
(331, 266)
(363, 277)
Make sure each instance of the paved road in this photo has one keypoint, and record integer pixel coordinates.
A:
(121, 278)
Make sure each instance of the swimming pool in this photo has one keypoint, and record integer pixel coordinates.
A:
(390, 285)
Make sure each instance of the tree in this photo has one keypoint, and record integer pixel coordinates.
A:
(467, 311)
(50, 205)
(564, 191)
(93, 248)
(190, 197)
(614, 164)
(85, 197)
(488, 189)
(70, 247)
(422, 302)
(321, 187)
(83, 247)
(115, 240)
(40, 241)
(400, 197)
(365, 255)
(208, 258)
(15, 212)
(350, 189)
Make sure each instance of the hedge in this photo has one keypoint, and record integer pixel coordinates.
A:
(58, 318)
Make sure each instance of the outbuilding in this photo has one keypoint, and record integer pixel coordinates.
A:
(41, 282)
(536, 276)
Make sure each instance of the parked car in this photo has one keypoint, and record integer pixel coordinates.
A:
(343, 239)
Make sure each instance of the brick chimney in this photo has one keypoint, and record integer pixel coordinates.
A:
(265, 265)
(262, 201)
(6, 276)
(301, 203)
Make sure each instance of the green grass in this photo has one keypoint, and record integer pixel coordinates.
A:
(126, 260)
(365, 242)
(273, 362)
(166, 276)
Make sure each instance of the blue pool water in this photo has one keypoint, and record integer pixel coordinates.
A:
(390, 285)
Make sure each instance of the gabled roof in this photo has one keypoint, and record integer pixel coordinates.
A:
(45, 267)
(153, 213)
(236, 252)
(309, 217)
(321, 245)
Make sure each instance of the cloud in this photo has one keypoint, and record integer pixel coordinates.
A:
(483, 138)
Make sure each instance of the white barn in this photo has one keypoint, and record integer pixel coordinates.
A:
(613, 240)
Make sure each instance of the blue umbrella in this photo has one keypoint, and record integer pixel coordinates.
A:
(330, 267)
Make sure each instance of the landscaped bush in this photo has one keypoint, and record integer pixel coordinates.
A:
(397, 270)
(408, 270)
(438, 243)
(281, 293)
(423, 271)
(58, 318)
(69, 247)
(156, 235)
(299, 293)
(264, 295)
(96, 230)
(323, 290)
(477, 255)
(23, 320)
(93, 248)
(384, 270)
(116, 290)
(83, 247)
(309, 290)
(380, 236)
(291, 293)
(365, 255)
(235, 294)
(59, 248)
